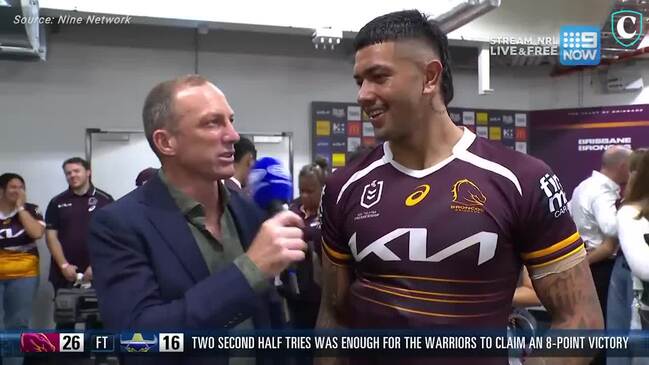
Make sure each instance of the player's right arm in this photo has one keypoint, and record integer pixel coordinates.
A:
(336, 270)
(336, 280)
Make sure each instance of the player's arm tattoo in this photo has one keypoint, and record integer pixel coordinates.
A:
(571, 299)
(335, 288)
(336, 280)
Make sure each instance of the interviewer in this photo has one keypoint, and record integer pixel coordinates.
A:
(183, 252)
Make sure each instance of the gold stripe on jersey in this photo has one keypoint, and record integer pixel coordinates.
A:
(552, 249)
(423, 292)
(456, 301)
(576, 250)
(444, 280)
(424, 313)
(335, 254)
(17, 265)
(331, 261)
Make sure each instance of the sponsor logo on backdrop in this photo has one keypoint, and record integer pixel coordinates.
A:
(508, 119)
(455, 117)
(520, 119)
(339, 128)
(508, 133)
(353, 113)
(521, 147)
(495, 133)
(580, 45)
(482, 132)
(354, 129)
(602, 144)
(322, 128)
(322, 112)
(337, 159)
(482, 118)
(338, 113)
(339, 145)
(468, 118)
(368, 141)
(353, 143)
(557, 201)
(368, 130)
(521, 134)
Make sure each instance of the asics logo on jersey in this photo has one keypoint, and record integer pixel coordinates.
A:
(467, 197)
(417, 247)
(557, 201)
(419, 195)
(7, 233)
(371, 194)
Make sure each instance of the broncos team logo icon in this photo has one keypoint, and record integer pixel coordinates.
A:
(419, 195)
(39, 342)
(467, 197)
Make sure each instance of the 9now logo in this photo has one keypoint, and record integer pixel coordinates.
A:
(579, 45)
(553, 190)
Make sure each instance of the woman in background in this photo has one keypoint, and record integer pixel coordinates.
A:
(304, 306)
(20, 226)
(633, 233)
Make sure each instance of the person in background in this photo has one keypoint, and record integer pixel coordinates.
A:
(145, 175)
(620, 292)
(303, 307)
(324, 165)
(593, 207)
(21, 224)
(68, 219)
(633, 228)
(245, 155)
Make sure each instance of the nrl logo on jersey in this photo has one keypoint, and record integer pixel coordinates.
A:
(372, 194)
(467, 197)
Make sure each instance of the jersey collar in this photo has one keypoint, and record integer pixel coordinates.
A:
(462, 145)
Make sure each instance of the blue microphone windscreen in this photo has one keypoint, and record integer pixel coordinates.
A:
(270, 181)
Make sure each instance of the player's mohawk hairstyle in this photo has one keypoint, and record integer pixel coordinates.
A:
(407, 25)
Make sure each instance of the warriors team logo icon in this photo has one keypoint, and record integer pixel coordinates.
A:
(371, 194)
(420, 193)
(467, 197)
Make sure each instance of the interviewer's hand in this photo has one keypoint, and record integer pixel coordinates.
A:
(278, 244)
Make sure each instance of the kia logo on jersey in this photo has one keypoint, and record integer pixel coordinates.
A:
(371, 194)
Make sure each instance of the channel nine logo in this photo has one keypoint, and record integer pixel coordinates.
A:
(579, 45)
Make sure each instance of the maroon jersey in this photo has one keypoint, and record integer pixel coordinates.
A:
(69, 215)
(18, 252)
(444, 246)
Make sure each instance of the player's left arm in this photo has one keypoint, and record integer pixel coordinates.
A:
(570, 298)
(554, 254)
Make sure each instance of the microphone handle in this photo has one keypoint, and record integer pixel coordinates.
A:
(274, 207)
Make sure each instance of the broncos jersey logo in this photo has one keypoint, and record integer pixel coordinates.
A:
(467, 197)
(465, 192)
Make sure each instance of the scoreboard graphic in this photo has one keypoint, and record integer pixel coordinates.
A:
(338, 129)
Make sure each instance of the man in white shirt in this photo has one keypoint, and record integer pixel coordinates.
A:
(593, 208)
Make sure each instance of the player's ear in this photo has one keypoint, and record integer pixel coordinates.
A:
(432, 76)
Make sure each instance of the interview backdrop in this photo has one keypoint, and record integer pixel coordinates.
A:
(338, 129)
(572, 141)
